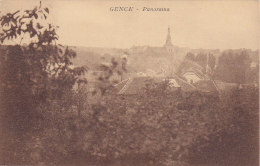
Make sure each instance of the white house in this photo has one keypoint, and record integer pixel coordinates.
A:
(173, 83)
(192, 76)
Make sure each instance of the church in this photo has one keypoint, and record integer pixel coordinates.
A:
(161, 60)
(166, 49)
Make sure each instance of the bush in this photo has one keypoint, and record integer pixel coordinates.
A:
(33, 74)
(150, 130)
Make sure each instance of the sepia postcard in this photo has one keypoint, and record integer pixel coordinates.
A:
(129, 82)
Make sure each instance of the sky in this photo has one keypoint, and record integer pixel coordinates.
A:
(212, 24)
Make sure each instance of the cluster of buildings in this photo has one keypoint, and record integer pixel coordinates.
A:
(166, 63)
(190, 78)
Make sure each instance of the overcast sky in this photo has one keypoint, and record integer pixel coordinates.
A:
(195, 24)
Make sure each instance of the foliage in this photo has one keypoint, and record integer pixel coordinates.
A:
(34, 72)
(202, 59)
(233, 66)
(158, 128)
(110, 73)
(190, 56)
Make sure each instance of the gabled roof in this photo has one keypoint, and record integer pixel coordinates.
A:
(196, 72)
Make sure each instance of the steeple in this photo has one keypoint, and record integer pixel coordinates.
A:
(168, 39)
(168, 44)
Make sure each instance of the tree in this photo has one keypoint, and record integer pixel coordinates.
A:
(35, 71)
(233, 66)
(190, 56)
(201, 59)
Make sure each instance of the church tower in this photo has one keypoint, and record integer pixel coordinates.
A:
(168, 44)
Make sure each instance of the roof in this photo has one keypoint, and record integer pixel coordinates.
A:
(137, 84)
(185, 86)
(173, 83)
(225, 85)
(133, 85)
(206, 86)
(189, 65)
(196, 72)
(121, 84)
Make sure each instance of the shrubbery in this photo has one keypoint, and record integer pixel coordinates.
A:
(150, 129)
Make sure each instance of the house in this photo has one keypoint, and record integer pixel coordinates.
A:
(193, 75)
(173, 83)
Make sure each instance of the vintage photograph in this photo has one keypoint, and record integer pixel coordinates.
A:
(129, 82)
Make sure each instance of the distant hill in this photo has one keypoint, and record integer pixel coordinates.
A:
(93, 56)
(143, 58)
(140, 59)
